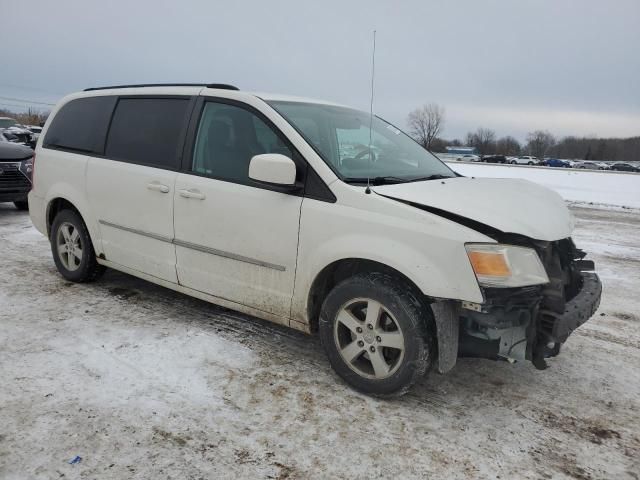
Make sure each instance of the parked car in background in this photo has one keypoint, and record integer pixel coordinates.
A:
(525, 160)
(556, 162)
(494, 159)
(388, 261)
(469, 157)
(16, 168)
(35, 130)
(588, 164)
(625, 167)
(8, 137)
(24, 135)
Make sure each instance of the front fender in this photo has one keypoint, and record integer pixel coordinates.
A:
(429, 253)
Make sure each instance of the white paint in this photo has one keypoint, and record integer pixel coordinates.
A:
(136, 197)
(242, 220)
(272, 168)
(513, 206)
(602, 187)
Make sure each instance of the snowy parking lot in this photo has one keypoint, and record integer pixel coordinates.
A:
(142, 382)
(605, 188)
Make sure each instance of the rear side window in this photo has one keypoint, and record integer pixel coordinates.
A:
(148, 131)
(81, 125)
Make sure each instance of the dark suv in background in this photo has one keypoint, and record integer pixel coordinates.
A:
(494, 159)
(16, 168)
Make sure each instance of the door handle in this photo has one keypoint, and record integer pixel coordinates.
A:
(158, 187)
(192, 193)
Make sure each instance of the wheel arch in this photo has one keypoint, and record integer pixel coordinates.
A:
(57, 203)
(55, 206)
(339, 270)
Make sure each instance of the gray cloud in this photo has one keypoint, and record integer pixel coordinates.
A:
(570, 66)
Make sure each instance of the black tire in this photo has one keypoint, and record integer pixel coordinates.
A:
(413, 318)
(513, 162)
(88, 268)
(22, 205)
(529, 163)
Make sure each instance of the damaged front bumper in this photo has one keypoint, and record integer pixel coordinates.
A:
(555, 328)
(578, 310)
(523, 323)
(515, 326)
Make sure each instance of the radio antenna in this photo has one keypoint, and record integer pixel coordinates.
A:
(373, 73)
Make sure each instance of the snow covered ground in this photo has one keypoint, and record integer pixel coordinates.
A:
(576, 185)
(145, 383)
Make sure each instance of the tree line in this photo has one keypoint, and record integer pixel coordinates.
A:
(30, 117)
(427, 123)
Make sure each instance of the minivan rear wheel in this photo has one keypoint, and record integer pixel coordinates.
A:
(377, 334)
(72, 250)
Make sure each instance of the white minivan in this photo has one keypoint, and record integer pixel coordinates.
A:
(315, 216)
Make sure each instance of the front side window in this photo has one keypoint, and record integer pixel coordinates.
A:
(228, 137)
(341, 136)
(148, 131)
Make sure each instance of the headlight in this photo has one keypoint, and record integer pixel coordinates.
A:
(26, 167)
(497, 265)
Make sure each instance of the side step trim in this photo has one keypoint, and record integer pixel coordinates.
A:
(194, 246)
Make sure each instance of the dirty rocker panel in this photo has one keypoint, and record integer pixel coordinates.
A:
(193, 246)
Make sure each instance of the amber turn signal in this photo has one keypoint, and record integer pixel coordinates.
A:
(492, 264)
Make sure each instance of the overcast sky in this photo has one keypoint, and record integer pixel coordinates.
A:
(572, 67)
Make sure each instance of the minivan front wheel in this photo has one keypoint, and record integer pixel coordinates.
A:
(377, 334)
(72, 249)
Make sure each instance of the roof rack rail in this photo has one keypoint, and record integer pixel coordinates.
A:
(221, 86)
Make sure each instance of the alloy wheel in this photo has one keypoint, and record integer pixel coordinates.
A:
(69, 246)
(369, 338)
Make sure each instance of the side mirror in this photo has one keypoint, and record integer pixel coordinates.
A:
(273, 169)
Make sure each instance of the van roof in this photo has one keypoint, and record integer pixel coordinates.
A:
(221, 86)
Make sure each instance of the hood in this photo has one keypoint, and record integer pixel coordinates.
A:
(17, 129)
(508, 205)
(13, 152)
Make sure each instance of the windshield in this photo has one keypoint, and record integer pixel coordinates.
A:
(7, 122)
(341, 136)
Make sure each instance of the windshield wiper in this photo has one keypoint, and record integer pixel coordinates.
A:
(386, 180)
(430, 177)
(390, 180)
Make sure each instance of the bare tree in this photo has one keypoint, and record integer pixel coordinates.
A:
(426, 123)
(30, 117)
(540, 142)
(484, 139)
(621, 149)
(508, 146)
